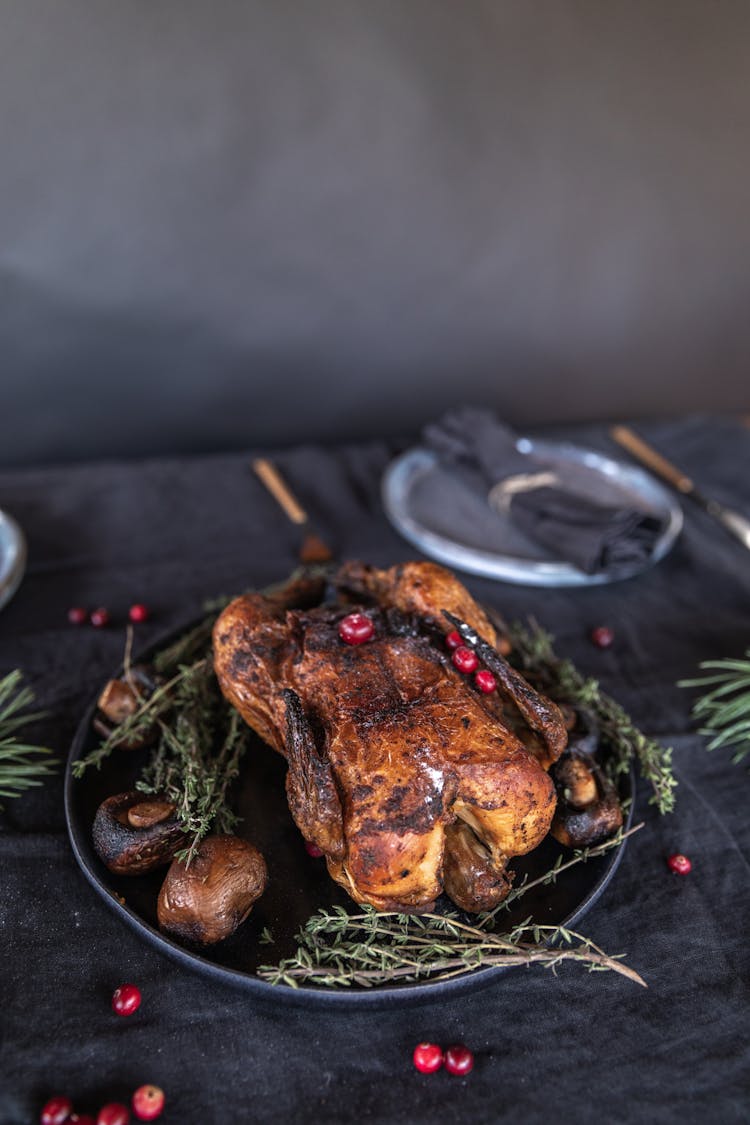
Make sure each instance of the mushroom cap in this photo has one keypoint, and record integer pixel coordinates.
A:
(206, 901)
(130, 850)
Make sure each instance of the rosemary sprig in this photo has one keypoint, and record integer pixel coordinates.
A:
(724, 710)
(20, 764)
(562, 681)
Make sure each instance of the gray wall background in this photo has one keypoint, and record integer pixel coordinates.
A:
(229, 223)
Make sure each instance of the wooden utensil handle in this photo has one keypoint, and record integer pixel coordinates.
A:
(277, 486)
(649, 457)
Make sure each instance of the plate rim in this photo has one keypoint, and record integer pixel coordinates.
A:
(313, 996)
(418, 460)
(10, 578)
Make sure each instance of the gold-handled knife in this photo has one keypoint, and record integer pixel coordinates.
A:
(734, 523)
(313, 549)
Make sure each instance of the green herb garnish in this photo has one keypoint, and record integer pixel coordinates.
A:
(561, 680)
(340, 950)
(20, 764)
(723, 712)
(200, 739)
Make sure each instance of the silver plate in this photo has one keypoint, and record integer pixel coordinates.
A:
(498, 549)
(12, 557)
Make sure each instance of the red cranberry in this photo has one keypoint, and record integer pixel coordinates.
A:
(485, 681)
(602, 636)
(148, 1102)
(57, 1111)
(114, 1113)
(313, 849)
(126, 999)
(464, 659)
(459, 1059)
(680, 864)
(453, 640)
(356, 628)
(77, 615)
(428, 1058)
(99, 617)
(138, 613)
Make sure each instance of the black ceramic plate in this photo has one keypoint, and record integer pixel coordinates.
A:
(298, 885)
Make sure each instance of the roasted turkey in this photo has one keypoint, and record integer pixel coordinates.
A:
(408, 778)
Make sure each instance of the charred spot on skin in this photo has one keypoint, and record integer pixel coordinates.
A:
(465, 722)
(239, 663)
(368, 859)
(490, 806)
(317, 642)
(360, 792)
(273, 650)
(419, 820)
(395, 800)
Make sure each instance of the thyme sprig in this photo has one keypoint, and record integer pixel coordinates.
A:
(723, 712)
(561, 680)
(197, 782)
(337, 949)
(185, 648)
(140, 722)
(22, 765)
(580, 855)
(200, 740)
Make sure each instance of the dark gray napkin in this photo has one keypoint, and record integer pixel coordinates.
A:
(594, 537)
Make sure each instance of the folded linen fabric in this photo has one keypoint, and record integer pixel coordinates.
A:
(547, 508)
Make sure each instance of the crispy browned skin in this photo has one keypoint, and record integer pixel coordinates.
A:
(388, 745)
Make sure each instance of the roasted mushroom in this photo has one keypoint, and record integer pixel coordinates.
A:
(588, 809)
(134, 833)
(206, 901)
(119, 701)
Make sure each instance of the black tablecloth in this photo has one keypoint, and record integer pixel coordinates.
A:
(577, 1047)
